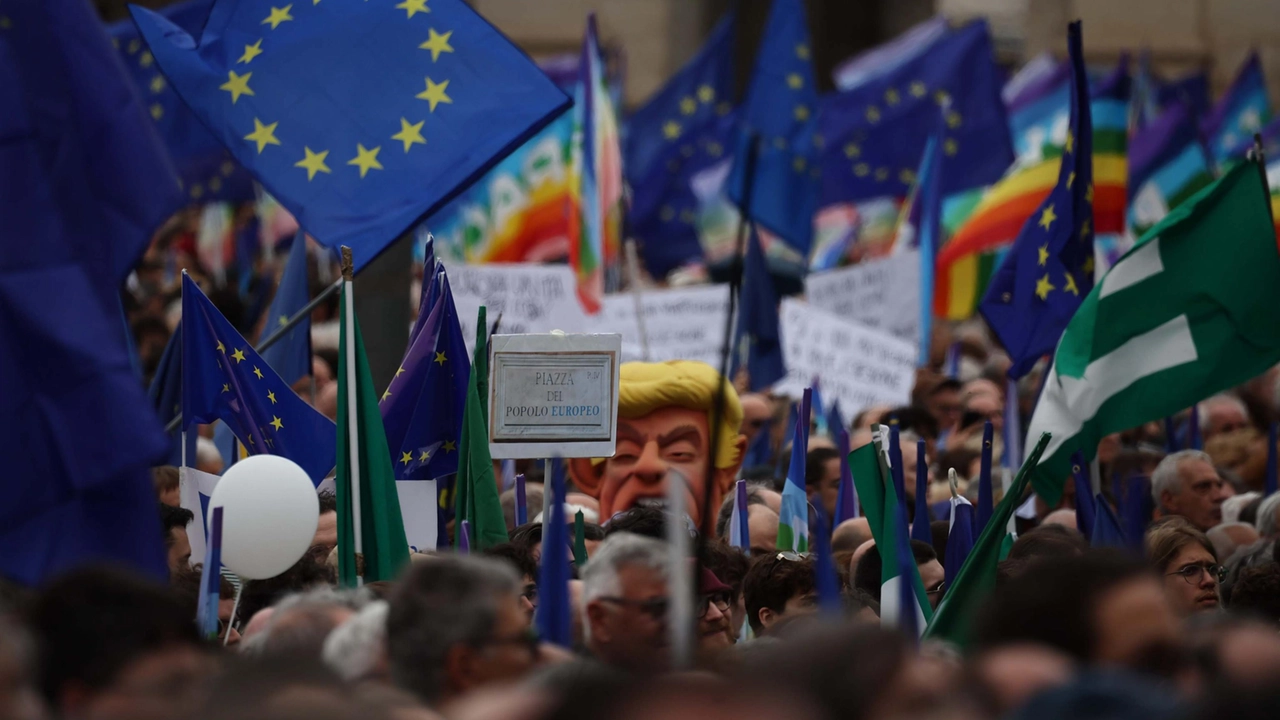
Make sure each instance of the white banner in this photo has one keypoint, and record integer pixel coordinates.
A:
(529, 298)
(860, 366)
(679, 323)
(883, 293)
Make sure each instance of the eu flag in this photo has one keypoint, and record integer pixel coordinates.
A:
(207, 170)
(1241, 112)
(83, 184)
(224, 378)
(875, 134)
(1049, 269)
(422, 409)
(758, 339)
(781, 111)
(290, 356)
(360, 118)
(680, 132)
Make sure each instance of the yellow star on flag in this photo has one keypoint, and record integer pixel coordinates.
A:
(802, 113)
(313, 162)
(410, 133)
(226, 387)
(891, 96)
(221, 347)
(237, 85)
(1043, 286)
(802, 51)
(671, 130)
(440, 358)
(1084, 229)
(950, 147)
(1087, 266)
(257, 372)
(688, 106)
(1069, 145)
(263, 135)
(799, 164)
(794, 81)
(953, 119)
(449, 446)
(413, 7)
(145, 60)
(1088, 193)
(1071, 178)
(238, 356)
(399, 371)
(277, 16)
(1044, 254)
(424, 456)
(157, 84)
(251, 52)
(157, 111)
(435, 94)
(706, 93)
(852, 151)
(1047, 217)
(873, 114)
(276, 422)
(284, 320)
(366, 160)
(1070, 285)
(385, 394)
(918, 89)
(271, 396)
(437, 43)
(406, 457)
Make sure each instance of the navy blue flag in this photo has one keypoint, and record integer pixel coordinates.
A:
(1106, 526)
(225, 379)
(1049, 270)
(84, 184)
(290, 356)
(875, 134)
(757, 338)
(781, 112)
(430, 287)
(760, 451)
(685, 128)
(422, 408)
(165, 393)
(920, 529)
(206, 168)
(959, 539)
(826, 580)
(986, 493)
(1084, 491)
(360, 118)
(554, 618)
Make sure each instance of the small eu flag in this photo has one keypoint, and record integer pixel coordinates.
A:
(422, 409)
(781, 111)
(1049, 269)
(758, 340)
(290, 356)
(360, 118)
(225, 379)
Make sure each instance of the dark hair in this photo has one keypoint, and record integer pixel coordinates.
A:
(770, 582)
(527, 535)
(815, 465)
(916, 419)
(1257, 593)
(640, 520)
(940, 532)
(173, 518)
(856, 600)
(93, 622)
(764, 475)
(728, 563)
(328, 502)
(308, 572)
(517, 556)
(1054, 603)
(1048, 541)
(164, 477)
(866, 578)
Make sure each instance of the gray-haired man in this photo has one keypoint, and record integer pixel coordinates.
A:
(1186, 483)
(624, 603)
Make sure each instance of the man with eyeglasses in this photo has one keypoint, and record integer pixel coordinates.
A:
(625, 601)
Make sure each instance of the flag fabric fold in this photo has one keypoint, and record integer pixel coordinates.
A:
(1242, 111)
(1106, 530)
(290, 356)
(475, 489)
(1085, 516)
(959, 538)
(759, 340)
(793, 520)
(553, 617)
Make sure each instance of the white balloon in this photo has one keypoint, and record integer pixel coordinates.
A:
(269, 515)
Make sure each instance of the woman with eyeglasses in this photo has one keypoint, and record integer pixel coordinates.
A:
(1186, 560)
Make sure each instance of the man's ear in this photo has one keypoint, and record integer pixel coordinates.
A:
(459, 668)
(1166, 502)
(596, 627)
(766, 617)
(586, 475)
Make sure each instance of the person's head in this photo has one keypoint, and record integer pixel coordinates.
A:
(1186, 483)
(165, 480)
(18, 697)
(455, 625)
(943, 402)
(520, 560)
(778, 586)
(730, 565)
(1222, 414)
(1229, 537)
(208, 459)
(311, 571)
(762, 530)
(1185, 559)
(1268, 520)
(114, 645)
(1048, 541)
(327, 401)
(643, 520)
(624, 602)
(1010, 675)
(664, 431)
(713, 610)
(357, 649)
(187, 587)
(756, 411)
(327, 525)
(866, 575)
(1257, 593)
(850, 534)
(822, 478)
(173, 522)
(532, 498)
(1105, 609)
(300, 622)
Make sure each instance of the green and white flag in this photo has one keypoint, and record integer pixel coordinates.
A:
(1188, 312)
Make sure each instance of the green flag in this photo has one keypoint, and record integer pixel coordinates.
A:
(383, 548)
(1188, 312)
(977, 577)
(476, 487)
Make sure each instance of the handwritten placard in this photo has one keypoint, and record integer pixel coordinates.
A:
(529, 298)
(553, 394)
(679, 323)
(861, 366)
(883, 293)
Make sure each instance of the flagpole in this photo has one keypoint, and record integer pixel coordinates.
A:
(353, 421)
(280, 332)
(1260, 157)
(633, 273)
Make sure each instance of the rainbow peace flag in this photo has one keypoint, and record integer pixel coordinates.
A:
(596, 177)
(969, 259)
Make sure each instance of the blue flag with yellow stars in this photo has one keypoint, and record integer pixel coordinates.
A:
(224, 378)
(290, 356)
(680, 132)
(206, 168)
(781, 111)
(359, 117)
(1049, 270)
(876, 132)
(422, 409)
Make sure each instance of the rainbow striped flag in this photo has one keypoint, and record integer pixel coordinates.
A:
(596, 177)
(968, 260)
